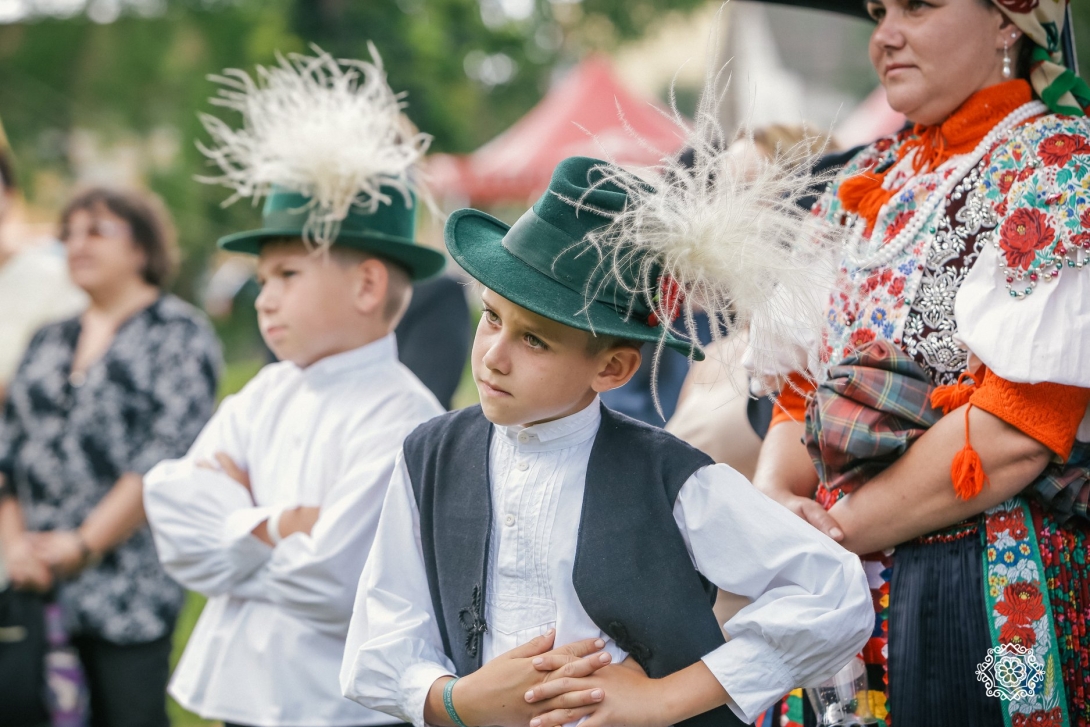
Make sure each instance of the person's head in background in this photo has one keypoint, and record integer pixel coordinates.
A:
(318, 302)
(931, 57)
(119, 243)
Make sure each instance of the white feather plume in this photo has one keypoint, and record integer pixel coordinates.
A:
(331, 130)
(728, 229)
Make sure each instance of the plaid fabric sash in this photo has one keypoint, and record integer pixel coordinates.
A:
(873, 405)
(876, 403)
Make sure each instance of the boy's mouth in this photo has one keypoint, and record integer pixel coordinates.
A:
(488, 389)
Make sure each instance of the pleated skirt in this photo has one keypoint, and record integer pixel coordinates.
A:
(938, 633)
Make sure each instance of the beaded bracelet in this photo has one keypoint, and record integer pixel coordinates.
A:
(448, 702)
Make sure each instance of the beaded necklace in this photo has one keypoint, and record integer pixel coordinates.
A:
(872, 254)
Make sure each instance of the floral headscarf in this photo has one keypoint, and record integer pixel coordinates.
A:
(1043, 22)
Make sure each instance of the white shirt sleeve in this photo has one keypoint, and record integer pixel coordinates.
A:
(200, 518)
(314, 576)
(811, 608)
(394, 652)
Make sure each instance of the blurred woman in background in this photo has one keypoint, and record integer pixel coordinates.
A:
(97, 401)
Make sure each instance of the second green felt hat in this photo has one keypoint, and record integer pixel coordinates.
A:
(545, 264)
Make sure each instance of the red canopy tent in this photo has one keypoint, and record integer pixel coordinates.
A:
(584, 114)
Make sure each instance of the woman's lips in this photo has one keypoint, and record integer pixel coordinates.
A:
(488, 389)
(894, 68)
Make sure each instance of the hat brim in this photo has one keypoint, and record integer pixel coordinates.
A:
(421, 262)
(474, 240)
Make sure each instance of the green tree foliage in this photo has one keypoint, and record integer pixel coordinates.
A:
(470, 68)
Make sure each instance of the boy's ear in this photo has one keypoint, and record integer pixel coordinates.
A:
(371, 282)
(619, 364)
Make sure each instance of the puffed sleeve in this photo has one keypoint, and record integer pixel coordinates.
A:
(394, 652)
(810, 606)
(1024, 308)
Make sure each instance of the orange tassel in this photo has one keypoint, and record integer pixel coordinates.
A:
(967, 471)
(952, 396)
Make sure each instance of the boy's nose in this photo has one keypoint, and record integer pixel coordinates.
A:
(265, 301)
(496, 358)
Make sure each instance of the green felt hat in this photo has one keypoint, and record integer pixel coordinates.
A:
(545, 264)
(387, 232)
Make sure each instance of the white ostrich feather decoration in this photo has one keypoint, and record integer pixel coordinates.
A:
(728, 230)
(331, 130)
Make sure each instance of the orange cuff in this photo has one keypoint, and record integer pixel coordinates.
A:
(792, 400)
(1050, 413)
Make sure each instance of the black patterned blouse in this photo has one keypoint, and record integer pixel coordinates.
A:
(64, 442)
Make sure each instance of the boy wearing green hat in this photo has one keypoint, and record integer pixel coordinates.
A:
(272, 512)
(541, 518)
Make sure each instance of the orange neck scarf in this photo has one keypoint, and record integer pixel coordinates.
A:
(864, 195)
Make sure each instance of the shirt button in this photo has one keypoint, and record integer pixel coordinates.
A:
(524, 437)
(509, 520)
(523, 466)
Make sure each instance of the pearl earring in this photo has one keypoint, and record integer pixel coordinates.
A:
(1007, 73)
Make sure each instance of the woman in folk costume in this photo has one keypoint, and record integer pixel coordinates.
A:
(948, 436)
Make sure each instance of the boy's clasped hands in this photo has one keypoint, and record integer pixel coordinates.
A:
(535, 685)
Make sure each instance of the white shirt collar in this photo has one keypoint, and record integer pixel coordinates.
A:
(557, 434)
(381, 351)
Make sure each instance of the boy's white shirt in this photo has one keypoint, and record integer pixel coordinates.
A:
(268, 645)
(811, 608)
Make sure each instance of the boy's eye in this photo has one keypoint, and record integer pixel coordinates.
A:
(876, 11)
(535, 342)
(490, 316)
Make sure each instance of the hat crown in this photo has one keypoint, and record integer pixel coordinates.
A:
(552, 237)
(288, 210)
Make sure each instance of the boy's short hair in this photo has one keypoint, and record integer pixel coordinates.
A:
(596, 343)
(399, 284)
(147, 217)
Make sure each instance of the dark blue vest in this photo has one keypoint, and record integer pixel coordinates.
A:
(632, 572)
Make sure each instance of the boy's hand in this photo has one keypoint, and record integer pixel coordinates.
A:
(299, 519)
(629, 699)
(496, 693)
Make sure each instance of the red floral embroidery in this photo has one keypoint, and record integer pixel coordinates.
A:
(1024, 233)
(897, 225)
(897, 287)
(1021, 604)
(861, 336)
(1007, 180)
(1013, 633)
(1051, 718)
(1004, 521)
(1059, 149)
